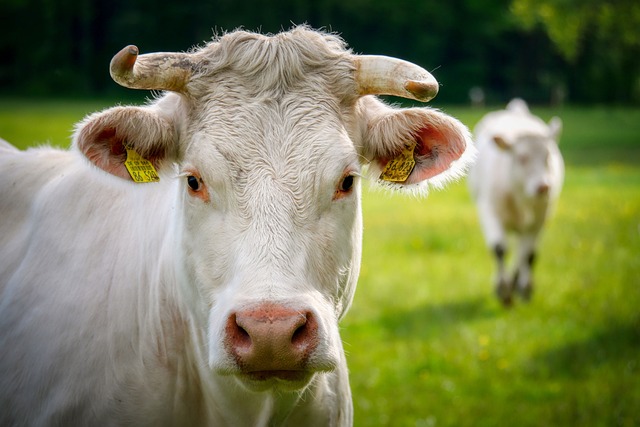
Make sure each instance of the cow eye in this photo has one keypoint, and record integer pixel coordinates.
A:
(193, 182)
(197, 188)
(344, 187)
(346, 184)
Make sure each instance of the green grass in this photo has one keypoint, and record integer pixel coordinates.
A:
(427, 342)
(429, 345)
(27, 123)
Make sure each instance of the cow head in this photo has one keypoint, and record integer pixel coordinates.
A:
(267, 140)
(533, 151)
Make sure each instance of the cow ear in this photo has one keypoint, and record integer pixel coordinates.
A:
(411, 149)
(502, 142)
(104, 138)
(555, 128)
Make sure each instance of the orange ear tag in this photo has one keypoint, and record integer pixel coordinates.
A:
(399, 168)
(140, 169)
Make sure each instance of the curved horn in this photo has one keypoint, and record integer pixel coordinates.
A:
(383, 75)
(154, 71)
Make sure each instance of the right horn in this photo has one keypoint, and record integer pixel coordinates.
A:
(154, 71)
(383, 75)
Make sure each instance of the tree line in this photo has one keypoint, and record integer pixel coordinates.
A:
(489, 49)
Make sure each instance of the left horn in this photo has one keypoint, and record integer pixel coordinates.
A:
(383, 75)
(153, 71)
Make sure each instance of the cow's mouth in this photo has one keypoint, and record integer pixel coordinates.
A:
(280, 375)
(285, 380)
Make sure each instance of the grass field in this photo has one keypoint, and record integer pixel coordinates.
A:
(428, 344)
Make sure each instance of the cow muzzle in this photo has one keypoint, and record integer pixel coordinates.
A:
(272, 343)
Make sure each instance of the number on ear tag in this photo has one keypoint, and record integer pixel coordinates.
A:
(399, 168)
(140, 169)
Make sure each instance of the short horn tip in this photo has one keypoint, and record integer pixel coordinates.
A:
(422, 90)
(128, 54)
(132, 50)
(123, 62)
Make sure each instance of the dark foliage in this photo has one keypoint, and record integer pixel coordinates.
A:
(63, 47)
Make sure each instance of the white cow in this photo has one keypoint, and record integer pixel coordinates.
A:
(211, 297)
(515, 181)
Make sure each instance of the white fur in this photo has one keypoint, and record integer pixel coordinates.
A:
(114, 295)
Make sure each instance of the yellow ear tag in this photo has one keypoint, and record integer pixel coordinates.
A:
(140, 169)
(399, 168)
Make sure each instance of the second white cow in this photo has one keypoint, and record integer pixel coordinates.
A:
(516, 179)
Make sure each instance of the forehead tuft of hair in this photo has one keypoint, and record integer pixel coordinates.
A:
(300, 56)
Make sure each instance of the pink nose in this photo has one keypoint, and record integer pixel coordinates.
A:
(271, 340)
(543, 189)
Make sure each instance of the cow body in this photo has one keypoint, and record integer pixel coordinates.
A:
(515, 181)
(213, 296)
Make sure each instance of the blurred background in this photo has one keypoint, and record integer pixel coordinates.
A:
(427, 342)
(549, 51)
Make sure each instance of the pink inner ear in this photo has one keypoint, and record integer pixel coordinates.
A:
(106, 151)
(434, 152)
(115, 145)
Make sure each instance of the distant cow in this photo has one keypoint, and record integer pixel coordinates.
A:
(186, 263)
(515, 181)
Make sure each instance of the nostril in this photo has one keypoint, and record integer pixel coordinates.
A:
(299, 335)
(305, 334)
(243, 338)
(236, 334)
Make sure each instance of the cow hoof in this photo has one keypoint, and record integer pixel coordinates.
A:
(504, 292)
(507, 301)
(526, 292)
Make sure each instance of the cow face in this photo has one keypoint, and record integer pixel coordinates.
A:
(532, 155)
(266, 146)
(272, 233)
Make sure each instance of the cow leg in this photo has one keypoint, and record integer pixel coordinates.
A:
(496, 240)
(523, 276)
(503, 286)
